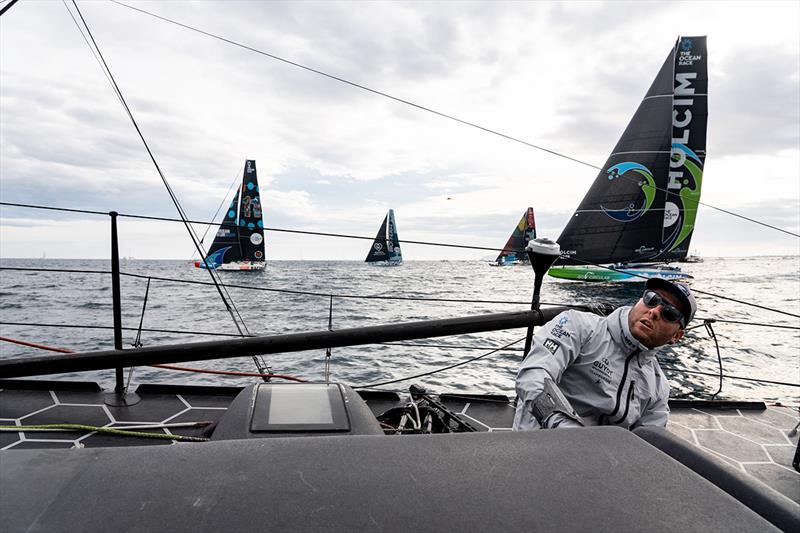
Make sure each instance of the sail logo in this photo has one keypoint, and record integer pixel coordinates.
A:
(648, 186)
(685, 55)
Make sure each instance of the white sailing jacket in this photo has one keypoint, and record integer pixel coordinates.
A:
(608, 376)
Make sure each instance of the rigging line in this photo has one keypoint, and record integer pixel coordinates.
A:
(628, 272)
(138, 342)
(664, 366)
(356, 85)
(107, 72)
(728, 376)
(7, 7)
(342, 295)
(279, 230)
(710, 330)
(779, 326)
(452, 346)
(439, 369)
(209, 226)
(96, 58)
(229, 306)
(66, 209)
(163, 366)
(290, 291)
(150, 330)
(423, 108)
(370, 297)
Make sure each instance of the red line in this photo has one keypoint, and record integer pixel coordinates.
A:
(33, 345)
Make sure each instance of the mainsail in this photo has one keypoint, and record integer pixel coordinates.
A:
(239, 243)
(385, 248)
(643, 203)
(514, 250)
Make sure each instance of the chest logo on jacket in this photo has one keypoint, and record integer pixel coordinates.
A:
(602, 370)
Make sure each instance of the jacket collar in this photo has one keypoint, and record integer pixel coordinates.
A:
(621, 332)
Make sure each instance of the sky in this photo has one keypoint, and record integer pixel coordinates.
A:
(566, 76)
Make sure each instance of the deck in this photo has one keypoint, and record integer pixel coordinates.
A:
(752, 440)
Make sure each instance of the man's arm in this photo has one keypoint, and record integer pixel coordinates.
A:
(555, 346)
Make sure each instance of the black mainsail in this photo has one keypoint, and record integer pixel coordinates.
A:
(239, 243)
(642, 205)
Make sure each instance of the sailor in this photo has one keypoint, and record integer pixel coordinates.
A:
(587, 370)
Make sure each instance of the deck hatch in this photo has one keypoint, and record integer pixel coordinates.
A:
(299, 407)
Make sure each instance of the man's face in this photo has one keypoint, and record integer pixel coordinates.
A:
(649, 327)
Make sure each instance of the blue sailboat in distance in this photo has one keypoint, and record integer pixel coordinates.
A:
(385, 249)
(239, 242)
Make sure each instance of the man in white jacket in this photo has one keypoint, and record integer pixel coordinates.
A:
(584, 369)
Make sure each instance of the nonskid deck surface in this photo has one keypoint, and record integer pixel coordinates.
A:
(85, 403)
(754, 441)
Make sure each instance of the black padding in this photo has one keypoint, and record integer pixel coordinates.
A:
(768, 503)
(587, 479)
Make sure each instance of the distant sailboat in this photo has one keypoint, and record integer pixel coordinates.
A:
(514, 251)
(640, 212)
(385, 250)
(239, 243)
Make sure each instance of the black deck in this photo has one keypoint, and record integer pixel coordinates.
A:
(755, 442)
(597, 479)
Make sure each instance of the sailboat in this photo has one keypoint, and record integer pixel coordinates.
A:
(385, 250)
(514, 251)
(639, 213)
(239, 242)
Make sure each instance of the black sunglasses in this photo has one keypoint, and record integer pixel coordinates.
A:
(668, 311)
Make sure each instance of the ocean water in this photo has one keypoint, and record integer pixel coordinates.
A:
(55, 306)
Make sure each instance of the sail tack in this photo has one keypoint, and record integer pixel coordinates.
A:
(643, 204)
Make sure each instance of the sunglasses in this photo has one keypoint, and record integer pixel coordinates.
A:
(670, 313)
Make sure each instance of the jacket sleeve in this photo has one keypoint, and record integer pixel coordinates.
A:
(555, 346)
(657, 411)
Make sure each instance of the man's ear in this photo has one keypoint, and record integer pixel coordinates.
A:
(678, 336)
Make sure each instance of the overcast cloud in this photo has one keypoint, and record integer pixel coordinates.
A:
(566, 76)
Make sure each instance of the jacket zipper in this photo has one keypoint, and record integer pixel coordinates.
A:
(627, 403)
(621, 386)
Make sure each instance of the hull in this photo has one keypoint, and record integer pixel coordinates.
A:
(505, 263)
(385, 263)
(629, 274)
(241, 265)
